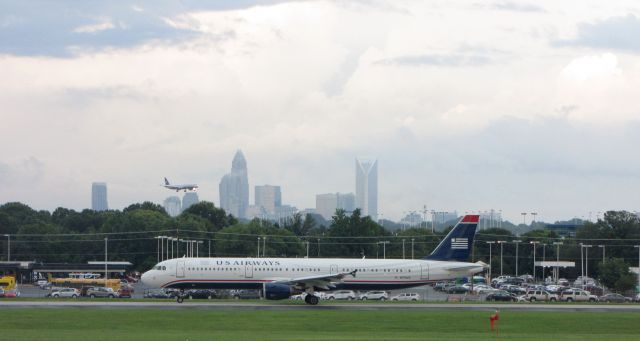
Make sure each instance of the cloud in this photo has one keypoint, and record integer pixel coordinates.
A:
(104, 24)
(618, 33)
(510, 6)
(62, 28)
(588, 67)
(438, 60)
(21, 173)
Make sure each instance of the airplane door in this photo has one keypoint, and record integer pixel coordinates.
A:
(424, 271)
(248, 271)
(180, 268)
(334, 269)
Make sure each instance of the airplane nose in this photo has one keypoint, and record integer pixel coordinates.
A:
(146, 278)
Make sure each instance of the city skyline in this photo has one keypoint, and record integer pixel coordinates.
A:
(507, 105)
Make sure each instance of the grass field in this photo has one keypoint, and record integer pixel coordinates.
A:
(200, 324)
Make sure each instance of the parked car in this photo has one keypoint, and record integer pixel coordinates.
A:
(156, 293)
(101, 292)
(342, 295)
(319, 294)
(245, 294)
(614, 298)
(407, 296)
(200, 294)
(577, 295)
(375, 295)
(540, 295)
(125, 292)
(458, 289)
(65, 292)
(637, 298)
(11, 293)
(501, 295)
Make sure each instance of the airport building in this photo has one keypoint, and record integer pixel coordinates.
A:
(234, 188)
(367, 187)
(99, 196)
(326, 204)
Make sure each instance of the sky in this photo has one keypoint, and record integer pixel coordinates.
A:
(467, 105)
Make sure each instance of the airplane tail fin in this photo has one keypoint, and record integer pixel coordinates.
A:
(456, 246)
(166, 182)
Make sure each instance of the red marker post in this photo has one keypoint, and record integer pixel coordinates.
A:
(493, 321)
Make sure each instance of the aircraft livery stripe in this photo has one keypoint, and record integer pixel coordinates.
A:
(268, 281)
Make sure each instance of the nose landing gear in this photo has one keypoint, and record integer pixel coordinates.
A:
(180, 296)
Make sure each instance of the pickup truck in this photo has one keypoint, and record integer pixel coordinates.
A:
(577, 295)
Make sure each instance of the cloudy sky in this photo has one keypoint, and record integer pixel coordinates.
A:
(467, 105)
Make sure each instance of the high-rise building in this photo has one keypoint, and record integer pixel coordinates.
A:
(190, 198)
(367, 187)
(99, 196)
(234, 188)
(173, 206)
(269, 197)
(326, 204)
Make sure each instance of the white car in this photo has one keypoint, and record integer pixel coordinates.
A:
(342, 295)
(65, 292)
(407, 296)
(320, 295)
(375, 295)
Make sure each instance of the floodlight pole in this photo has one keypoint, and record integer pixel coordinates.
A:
(517, 243)
(106, 274)
(490, 268)
(557, 244)
(501, 242)
(534, 258)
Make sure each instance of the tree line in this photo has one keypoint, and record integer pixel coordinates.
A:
(66, 235)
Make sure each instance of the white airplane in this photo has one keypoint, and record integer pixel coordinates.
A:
(280, 278)
(177, 188)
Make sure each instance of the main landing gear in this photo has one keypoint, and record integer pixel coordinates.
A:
(311, 299)
(180, 297)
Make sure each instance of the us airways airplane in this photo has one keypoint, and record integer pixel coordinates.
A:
(280, 278)
(177, 188)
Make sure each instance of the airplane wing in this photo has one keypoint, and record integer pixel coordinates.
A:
(325, 282)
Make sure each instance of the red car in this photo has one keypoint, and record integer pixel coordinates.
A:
(125, 292)
(11, 293)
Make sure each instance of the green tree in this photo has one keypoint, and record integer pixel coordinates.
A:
(216, 217)
(615, 274)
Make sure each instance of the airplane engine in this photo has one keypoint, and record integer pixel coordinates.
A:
(273, 291)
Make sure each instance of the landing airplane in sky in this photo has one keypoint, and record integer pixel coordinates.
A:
(280, 278)
(177, 188)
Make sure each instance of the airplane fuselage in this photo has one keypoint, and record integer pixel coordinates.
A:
(252, 273)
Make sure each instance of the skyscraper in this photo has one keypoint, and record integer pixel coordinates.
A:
(190, 198)
(173, 206)
(367, 187)
(269, 197)
(99, 196)
(234, 188)
(326, 204)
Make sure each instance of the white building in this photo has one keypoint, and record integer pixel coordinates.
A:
(234, 188)
(173, 206)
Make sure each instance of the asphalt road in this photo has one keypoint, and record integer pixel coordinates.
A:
(212, 305)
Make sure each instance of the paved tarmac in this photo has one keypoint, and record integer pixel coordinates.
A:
(327, 306)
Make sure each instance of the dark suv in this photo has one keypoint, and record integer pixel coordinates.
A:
(101, 292)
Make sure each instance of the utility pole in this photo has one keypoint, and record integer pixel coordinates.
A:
(106, 247)
(264, 246)
(384, 248)
(403, 248)
(412, 239)
(258, 247)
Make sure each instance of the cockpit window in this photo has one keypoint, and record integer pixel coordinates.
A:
(159, 267)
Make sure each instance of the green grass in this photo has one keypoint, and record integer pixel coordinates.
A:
(203, 324)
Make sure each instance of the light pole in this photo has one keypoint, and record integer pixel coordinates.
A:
(490, 272)
(534, 258)
(318, 247)
(524, 220)
(412, 239)
(307, 249)
(533, 214)
(517, 243)
(258, 247)
(586, 262)
(582, 264)
(157, 249)
(8, 247)
(501, 242)
(557, 244)
(603, 247)
(264, 246)
(384, 248)
(106, 247)
(638, 246)
(209, 248)
(197, 248)
(402, 248)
